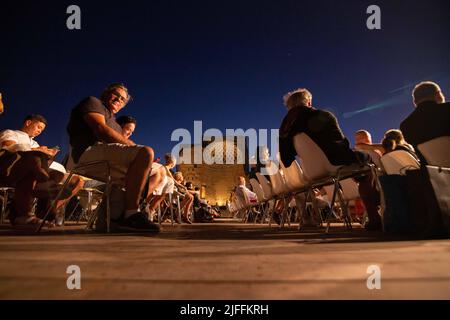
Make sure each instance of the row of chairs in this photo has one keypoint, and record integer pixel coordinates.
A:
(315, 172)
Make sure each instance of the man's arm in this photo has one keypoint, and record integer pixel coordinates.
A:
(8, 143)
(97, 123)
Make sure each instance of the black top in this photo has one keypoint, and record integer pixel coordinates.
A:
(322, 127)
(80, 134)
(428, 121)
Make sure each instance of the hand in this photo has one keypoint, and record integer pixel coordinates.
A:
(130, 143)
(47, 151)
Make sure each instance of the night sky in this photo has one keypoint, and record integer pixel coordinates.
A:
(227, 63)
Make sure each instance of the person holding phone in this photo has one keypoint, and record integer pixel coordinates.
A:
(23, 140)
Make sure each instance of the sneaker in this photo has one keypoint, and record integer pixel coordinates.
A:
(138, 222)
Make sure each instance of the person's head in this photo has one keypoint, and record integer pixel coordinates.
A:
(241, 181)
(427, 91)
(34, 125)
(396, 135)
(178, 176)
(115, 97)
(363, 136)
(189, 186)
(171, 161)
(388, 144)
(128, 125)
(1, 104)
(297, 98)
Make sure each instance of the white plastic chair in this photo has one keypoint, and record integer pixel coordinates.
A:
(397, 162)
(436, 151)
(294, 178)
(319, 172)
(265, 185)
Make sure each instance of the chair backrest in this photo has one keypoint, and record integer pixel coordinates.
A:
(258, 190)
(315, 163)
(265, 185)
(397, 162)
(294, 177)
(276, 178)
(436, 151)
(278, 184)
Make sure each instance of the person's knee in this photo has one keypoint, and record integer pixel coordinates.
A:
(149, 153)
(145, 155)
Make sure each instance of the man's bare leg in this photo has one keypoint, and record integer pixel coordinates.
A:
(136, 178)
(153, 182)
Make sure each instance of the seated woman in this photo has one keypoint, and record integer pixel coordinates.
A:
(162, 175)
(188, 197)
(394, 140)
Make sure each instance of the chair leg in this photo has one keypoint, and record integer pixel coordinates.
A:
(4, 203)
(53, 203)
(159, 214)
(171, 209)
(345, 211)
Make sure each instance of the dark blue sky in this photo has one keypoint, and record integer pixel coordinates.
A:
(227, 63)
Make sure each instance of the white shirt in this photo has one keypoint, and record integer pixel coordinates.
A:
(23, 142)
(241, 190)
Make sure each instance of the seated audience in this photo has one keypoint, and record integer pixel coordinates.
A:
(431, 117)
(322, 127)
(96, 136)
(23, 140)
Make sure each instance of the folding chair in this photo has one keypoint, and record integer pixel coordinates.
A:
(5, 191)
(319, 172)
(262, 201)
(280, 192)
(169, 206)
(295, 183)
(268, 194)
(397, 162)
(436, 151)
(86, 170)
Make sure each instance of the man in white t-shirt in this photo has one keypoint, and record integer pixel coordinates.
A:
(23, 140)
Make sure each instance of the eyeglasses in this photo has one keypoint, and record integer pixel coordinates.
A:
(119, 96)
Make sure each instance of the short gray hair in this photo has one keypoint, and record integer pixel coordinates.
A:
(298, 97)
(425, 91)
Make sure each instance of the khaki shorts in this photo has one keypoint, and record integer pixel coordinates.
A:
(118, 156)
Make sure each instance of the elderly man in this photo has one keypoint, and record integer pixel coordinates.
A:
(96, 136)
(322, 127)
(431, 117)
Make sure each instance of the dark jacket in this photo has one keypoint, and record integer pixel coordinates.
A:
(428, 121)
(322, 127)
